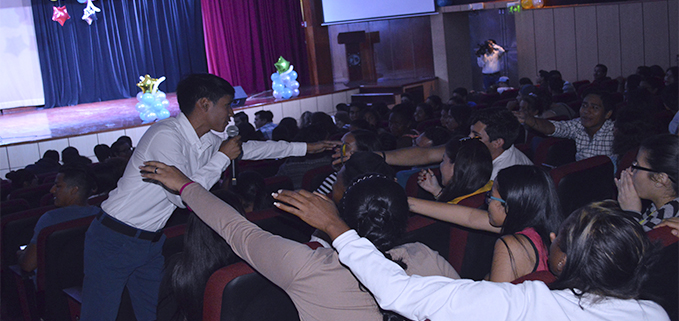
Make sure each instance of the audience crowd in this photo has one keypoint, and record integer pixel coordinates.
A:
(354, 173)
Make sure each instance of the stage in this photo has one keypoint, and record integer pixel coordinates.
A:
(26, 135)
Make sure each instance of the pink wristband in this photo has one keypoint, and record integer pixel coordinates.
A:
(183, 187)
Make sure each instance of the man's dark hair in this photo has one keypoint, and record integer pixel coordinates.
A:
(525, 81)
(437, 134)
(80, 176)
(602, 66)
(500, 123)
(461, 91)
(242, 116)
(606, 98)
(556, 85)
(102, 151)
(51, 154)
(196, 86)
(265, 114)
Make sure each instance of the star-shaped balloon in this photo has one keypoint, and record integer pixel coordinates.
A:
(282, 65)
(148, 84)
(60, 15)
(90, 12)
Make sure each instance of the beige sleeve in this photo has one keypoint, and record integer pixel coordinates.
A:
(278, 259)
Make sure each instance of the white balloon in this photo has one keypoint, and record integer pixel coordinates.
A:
(277, 94)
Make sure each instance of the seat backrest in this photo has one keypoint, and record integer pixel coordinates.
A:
(237, 293)
(174, 242)
(60, 251)
(663, 235)
(13, 206)
(579, 83)
(32, 194)
(267, 167)
(274, 183)
(583, 182)
(313, 178)
(17, 229)
(554, 152)
(459, 236)
(544, 276)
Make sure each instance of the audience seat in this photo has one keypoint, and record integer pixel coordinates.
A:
(5, 189)
(13, 206)
(583, 182)
(502, 102)
(580, 83)
(313, 178)
(564, 97)
(237, 293)
(47, 177)
(553, 152)
(421, 127)
(32, 194)
(664, 275)
(626, 161)
(275, 183)
(16, 229)
(267, 167)
(60, 265)
(575, 106)
(509, 94)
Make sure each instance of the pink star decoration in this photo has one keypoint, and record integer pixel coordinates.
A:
(60, 15)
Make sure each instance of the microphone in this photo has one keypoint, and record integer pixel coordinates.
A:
(232, 131)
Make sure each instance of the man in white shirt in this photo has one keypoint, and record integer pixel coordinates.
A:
(488, 58)
(123, 246)
(497, 128)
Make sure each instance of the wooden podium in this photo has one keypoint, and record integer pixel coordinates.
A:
(360, 56)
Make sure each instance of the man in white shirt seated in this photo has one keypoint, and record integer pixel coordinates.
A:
(497, 128)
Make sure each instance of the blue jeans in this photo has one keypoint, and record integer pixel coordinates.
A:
(489, 80)
(113, 261)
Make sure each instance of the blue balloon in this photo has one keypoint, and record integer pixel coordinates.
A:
(148, 116)
(141, 107)
(166, 103)
(148, 99)
(139, 95)
(287, 93)
(163, 113)
(275, 76)
(158, 106)
(295, 92)
(159, 95)
(278, 86)
(285, 79)
(277, 94)
(293, 84)
(293, 75)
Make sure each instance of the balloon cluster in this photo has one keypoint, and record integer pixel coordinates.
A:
(152, 103)
(284, 81)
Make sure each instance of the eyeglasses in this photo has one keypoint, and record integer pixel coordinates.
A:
(464, 139)
(493, 198)
(635, 166)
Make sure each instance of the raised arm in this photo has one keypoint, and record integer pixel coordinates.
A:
(541, 125)
(414, 156)
(278, 259)
(456, 214)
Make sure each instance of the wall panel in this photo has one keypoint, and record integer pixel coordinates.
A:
(608, 35)
(525, 44)
(545, 50)
(673, 16)
(564, 41)
(632, 39)
(656, 33)
(586, 46)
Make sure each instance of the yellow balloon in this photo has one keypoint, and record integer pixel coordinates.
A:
(538, 3)
(526, 4)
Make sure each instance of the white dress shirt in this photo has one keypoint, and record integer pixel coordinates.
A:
(174, 141)
(510, 157)
(490, 62)
(440, 298)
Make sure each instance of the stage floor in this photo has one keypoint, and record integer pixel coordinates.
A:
(46, 124)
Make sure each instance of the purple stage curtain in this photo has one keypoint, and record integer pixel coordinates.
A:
(244, 38)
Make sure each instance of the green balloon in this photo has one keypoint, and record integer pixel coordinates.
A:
(282, 65)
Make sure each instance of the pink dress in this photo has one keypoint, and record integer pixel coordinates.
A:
(539, 247)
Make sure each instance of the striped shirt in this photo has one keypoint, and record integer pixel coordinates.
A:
(653, 216)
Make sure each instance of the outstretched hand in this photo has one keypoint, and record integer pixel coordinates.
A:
(673, 223)
(169, 176)
(317, 147)
(627, 195)
(317, 210)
